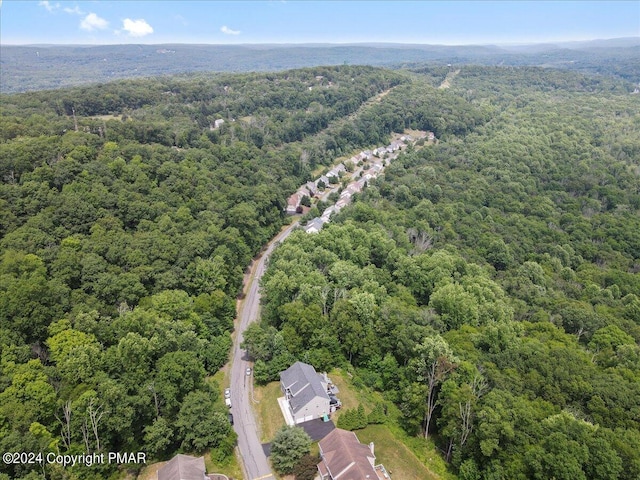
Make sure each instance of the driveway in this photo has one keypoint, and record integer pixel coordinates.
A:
(317, 429)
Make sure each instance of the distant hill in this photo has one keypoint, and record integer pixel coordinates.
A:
(27, 68)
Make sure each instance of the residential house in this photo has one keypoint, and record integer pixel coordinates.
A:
(293, 202)
(343, 202)
(354, 187)
(343, 457)
(304, 191)
(335, 171)
(346, 193)
(326, 215)
(306, 392)
(380, 151)
(315, 225)
(324, 179)
(312, 188)
(183, 467)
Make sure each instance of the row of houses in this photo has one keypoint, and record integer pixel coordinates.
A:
(346, 196)
(311, 189)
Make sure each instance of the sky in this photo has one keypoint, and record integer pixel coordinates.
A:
(305, 21)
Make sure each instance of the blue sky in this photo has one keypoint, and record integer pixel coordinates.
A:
(305, 21)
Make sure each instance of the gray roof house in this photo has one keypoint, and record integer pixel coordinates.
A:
(183, 467)
(305, 392)
(324, 179)
(315, 225)
(311, 187)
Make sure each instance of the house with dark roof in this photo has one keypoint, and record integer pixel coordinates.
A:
(183, 467)
(306, 392)
(343, 457)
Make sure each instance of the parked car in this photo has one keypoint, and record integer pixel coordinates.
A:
(227, 393)
(227, 402)
(248, 371)
(230, 417)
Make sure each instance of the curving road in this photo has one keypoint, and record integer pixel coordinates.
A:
(255, 463)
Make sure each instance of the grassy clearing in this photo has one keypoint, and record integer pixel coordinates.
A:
(406, 457)
(396, 457)
(270, 417)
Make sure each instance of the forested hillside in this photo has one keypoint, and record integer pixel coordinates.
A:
(488, 285)
(29, 68)
(127, 220)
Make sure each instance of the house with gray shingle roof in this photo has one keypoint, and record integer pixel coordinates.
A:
(305, 392)
(183, 467)
(315, 225)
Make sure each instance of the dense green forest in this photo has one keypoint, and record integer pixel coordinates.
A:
(127, 221)
(30, 68)
(487, 285)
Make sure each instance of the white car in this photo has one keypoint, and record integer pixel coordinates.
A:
(227, 393)
(248, 371)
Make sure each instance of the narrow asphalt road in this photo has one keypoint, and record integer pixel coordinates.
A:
(255, 463)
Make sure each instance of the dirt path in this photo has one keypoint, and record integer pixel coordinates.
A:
(446, 83)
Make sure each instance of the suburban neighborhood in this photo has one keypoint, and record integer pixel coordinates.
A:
(309, 398)
(366, 165)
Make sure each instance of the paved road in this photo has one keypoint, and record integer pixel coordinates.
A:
(254, 460)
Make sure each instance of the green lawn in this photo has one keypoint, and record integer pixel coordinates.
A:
(270, 417)
(403, 456)
(396, 457)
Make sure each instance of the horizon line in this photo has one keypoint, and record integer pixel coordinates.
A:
(332, 44)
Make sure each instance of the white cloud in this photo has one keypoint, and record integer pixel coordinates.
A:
(46, 4)
(93, 22)
(226, 30)
(74, 11)
(137, 28)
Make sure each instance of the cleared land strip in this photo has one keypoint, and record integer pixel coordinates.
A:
(446, 83)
